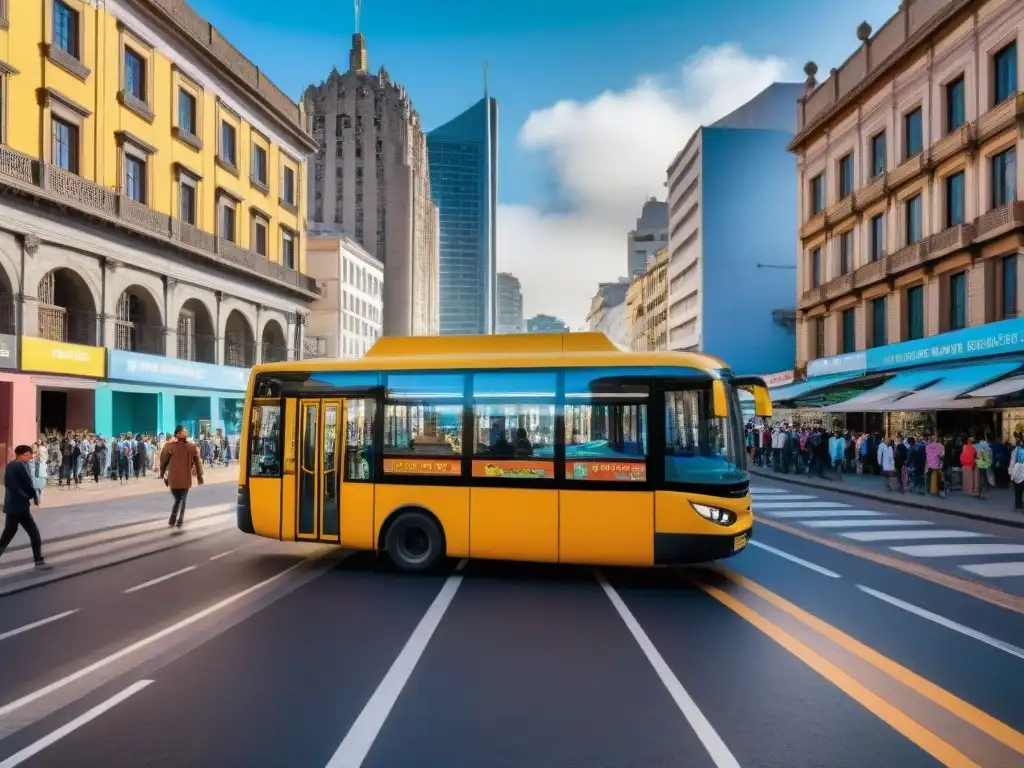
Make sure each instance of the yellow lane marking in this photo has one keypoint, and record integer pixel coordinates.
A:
(935, 746)
(983, 592)
(983, 721)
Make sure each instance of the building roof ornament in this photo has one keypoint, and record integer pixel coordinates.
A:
(810, 69)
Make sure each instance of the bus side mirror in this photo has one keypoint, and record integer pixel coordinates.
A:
(762, 401)
(756, 386)
(721, 401)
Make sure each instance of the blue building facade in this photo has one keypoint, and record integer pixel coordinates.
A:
(733, 221)
(749, 264)
(463, 156)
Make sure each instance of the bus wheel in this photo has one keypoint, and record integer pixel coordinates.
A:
(414, 542)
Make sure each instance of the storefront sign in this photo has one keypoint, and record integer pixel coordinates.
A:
(48, 356)
(826, 366)
(8, 351)
(983, 341)
(153, 369)
(780, 379)
(1006, 336)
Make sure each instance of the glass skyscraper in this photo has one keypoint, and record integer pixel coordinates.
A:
(463, 156)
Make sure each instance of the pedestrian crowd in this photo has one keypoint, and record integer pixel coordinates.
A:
(919, 464)
(176, 459)
(65, 460)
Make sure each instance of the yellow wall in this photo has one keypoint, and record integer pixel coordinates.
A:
(102, 38)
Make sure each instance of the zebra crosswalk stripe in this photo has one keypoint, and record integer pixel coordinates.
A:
(791, 514)
(960, 550)
(916, 534)
(869, 523)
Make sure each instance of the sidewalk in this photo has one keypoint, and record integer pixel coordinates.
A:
(72, 514)
(90, 493)
(996, 508)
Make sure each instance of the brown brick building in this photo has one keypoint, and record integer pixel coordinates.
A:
(911, 223)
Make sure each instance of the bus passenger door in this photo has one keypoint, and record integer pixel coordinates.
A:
(318, 509)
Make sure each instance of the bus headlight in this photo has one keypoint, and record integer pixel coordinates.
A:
(714, 514)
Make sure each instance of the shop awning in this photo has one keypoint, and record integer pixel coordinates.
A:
(999, 389)
(931, 390)
(807, 388)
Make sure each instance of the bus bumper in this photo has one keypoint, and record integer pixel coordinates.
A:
(243, 510)
(682, 548)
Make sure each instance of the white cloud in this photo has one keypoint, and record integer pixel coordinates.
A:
(608, 156)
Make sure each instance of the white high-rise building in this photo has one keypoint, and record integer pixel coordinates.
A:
(370, 182)
(348, 317)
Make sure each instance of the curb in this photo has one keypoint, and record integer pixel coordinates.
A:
(914, 503)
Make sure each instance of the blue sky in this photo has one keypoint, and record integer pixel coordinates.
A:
(540, 54)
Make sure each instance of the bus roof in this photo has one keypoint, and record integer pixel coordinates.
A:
(523, 350)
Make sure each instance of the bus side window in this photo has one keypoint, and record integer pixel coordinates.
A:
(423, 416)
(265, 440)
(359, 430)
(606, 441)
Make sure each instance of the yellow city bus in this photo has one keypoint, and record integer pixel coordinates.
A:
(534, 447)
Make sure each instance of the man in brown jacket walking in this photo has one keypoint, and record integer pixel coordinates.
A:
(177, 461)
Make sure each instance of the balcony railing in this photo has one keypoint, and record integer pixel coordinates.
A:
(8, 315)
(957, 141)
(869, 273)
(42, 180)
(197, 347)
(135, 337)
(999, 221)
(906, 171)
(68, 325)
(997, 119)
(239, 354)
(273, 353)
(948, 240)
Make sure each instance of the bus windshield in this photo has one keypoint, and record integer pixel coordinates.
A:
(699, 446)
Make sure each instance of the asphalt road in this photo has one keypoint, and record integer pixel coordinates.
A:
(235, 652)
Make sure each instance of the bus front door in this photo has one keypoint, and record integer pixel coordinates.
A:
(321, 443)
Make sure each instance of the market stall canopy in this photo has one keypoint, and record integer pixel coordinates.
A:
(931, 390)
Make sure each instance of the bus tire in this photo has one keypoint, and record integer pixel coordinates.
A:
(414, 541)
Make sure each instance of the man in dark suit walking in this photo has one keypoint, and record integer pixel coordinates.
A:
(19, 494)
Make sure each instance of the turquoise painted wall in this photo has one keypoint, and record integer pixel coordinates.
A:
(120, 407)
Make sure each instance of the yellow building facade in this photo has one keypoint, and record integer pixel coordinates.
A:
(154, 205)
(647, 306)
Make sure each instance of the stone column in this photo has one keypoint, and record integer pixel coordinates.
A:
(27, 321)
(980, 293)
(110, 295)
(832, 333)
(860, 326)
(932, 305)
(170, 323)
(897, 316)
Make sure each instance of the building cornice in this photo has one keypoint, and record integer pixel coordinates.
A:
(179, 17)
(875, 74)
